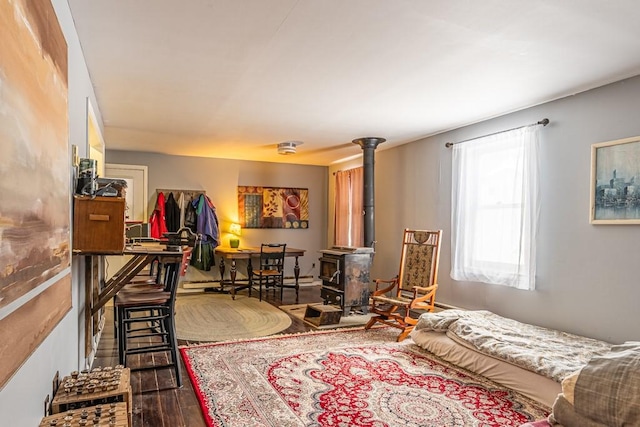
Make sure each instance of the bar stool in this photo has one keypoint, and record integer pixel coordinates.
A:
(146, 319)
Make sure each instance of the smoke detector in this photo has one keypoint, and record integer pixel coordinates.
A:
(288, 147)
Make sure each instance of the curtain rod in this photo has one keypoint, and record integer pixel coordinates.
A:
(542, 122)
(340, 170)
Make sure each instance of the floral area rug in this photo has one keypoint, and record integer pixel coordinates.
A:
(345, 378)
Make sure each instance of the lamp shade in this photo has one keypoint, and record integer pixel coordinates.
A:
(235, 229)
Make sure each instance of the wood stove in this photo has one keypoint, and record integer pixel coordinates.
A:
(344, 272)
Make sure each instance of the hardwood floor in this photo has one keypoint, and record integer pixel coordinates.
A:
(156, 401)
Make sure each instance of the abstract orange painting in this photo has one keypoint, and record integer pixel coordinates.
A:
(34, 148)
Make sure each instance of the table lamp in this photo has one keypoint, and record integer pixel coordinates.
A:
(236, 231)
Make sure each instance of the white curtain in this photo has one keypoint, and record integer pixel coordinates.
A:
(495, 208)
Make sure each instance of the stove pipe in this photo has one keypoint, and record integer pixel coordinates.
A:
(368, 145)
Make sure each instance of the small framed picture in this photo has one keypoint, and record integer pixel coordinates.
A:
(615, 182)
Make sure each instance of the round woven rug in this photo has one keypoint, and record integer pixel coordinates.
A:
(216, 317)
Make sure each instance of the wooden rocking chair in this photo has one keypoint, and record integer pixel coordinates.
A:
(415, 286)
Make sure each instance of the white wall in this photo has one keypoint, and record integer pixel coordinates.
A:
(220, 179)
(587, 277)
(21, 399)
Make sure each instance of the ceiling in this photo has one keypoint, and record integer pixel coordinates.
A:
(233, 78)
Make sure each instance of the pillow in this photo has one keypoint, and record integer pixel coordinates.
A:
(438, 321)
(608, 387)
(564, 414)
(569, 385)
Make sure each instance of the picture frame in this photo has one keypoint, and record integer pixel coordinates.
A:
(35, 227)
(615, 182)
(273, 207)
(35, 250)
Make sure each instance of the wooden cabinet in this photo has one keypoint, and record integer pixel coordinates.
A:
(98, 225)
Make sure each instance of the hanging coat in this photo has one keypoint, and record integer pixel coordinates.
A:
(172, 214)
(202, 256)
(207, 224)
(190, 216)
(182, 206)
(157, 221)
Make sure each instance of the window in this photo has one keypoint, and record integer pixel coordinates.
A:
(349, 221)
(494, 214)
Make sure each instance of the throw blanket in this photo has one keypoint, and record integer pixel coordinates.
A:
(553, 354)
(606, 392)
(564, 415)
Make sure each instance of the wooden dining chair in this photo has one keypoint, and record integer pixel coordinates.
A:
(271, 270)
(399, 302)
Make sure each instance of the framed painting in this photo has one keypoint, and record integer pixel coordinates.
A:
(95, 141)
(615, 182)
(35, 188)
(273, 207)
(34, 138)
(22, 331)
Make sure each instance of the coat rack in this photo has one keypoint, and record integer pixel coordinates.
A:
(188, 194)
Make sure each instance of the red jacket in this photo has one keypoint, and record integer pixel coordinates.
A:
(157, 221)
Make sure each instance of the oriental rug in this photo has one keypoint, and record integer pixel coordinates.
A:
(345, 377)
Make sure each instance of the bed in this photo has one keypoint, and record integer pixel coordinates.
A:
(527, 358)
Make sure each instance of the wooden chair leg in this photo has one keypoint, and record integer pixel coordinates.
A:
(371, 322)
(171, 329)
(122, 339)
(405, 333)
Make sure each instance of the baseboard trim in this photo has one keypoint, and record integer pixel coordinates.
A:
(447, 306)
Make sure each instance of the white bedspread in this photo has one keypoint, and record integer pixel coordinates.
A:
(551, 353)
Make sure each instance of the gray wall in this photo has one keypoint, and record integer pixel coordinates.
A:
(587, 275)
(21, 399)
(220, 179)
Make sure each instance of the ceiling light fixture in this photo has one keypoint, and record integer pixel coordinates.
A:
(288, 147)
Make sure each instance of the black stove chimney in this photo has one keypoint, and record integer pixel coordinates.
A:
(368, 145)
